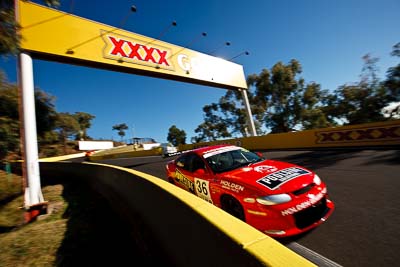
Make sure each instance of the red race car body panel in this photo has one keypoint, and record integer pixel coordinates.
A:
(278, 198)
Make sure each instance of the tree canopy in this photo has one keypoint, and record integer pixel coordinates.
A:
(288, 102)
(45, 111)
(120, 128)
(85, 122)
(9, 39)
(52, 127)
(282, 101)
(362, 101)
(176, 136)
(392, 83)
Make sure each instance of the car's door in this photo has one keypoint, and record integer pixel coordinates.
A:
(194, 176)
(202, 177)
(183, 177)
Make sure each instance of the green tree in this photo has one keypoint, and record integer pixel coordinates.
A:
(8, 98)
(362, 101)
(228, 117)
(279, 101)
(213, 127)
(286, 103)
(9, 39)
(121, 128)
(9, 137)
(280, 93)
(9, 114)
(176, 136)
(392, 82)
(9, 118)
(44, 107)
(315, 110)
(67, 127)
(46, 115)
(84, 119)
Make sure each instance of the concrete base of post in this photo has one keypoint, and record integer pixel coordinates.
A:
(34, 211)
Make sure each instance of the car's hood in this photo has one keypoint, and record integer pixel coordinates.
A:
(270, 175)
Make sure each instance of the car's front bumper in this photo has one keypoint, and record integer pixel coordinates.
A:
(297, 223)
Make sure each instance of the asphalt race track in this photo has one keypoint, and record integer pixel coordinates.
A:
(364, 230)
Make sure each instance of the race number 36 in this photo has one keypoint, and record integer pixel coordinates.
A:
(202, 188)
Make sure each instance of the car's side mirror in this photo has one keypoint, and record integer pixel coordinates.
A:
(260, 154)
(199, 172)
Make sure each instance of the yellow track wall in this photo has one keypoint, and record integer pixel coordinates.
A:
(362, 135)
(182, 225)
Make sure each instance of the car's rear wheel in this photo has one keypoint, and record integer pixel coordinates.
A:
(171, 180)
(232, 206)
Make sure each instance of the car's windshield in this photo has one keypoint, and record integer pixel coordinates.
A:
(230, 160)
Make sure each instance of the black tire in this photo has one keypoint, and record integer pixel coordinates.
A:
(171, 180)
(232, 206)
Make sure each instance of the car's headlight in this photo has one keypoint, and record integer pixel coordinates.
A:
(274, 199)
(317, 180)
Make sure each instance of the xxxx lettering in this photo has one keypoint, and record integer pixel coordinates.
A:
(128, 49)
(360, 134)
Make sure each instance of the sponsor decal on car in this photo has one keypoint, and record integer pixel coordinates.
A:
(231, 186)
(180, 178)
(265, 168)
(203, 189)
(313, 200)
(275, 179)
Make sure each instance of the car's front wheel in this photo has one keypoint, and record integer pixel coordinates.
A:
(232, 206)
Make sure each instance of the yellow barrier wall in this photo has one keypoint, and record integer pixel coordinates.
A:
(378, 134)
(65, 157)
(110, 154)
(362, 135)
(187, 230)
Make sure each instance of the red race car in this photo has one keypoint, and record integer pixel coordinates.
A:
(278, 198)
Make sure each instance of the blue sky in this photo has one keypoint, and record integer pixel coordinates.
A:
(327, 37)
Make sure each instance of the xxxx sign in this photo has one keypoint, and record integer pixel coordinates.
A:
(122, 48)
(50, 34)
(360, 135)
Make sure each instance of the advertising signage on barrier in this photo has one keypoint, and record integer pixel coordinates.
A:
(58, 36)
(386, 133)
(380, 134)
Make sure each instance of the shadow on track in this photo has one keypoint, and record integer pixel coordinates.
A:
(317, 159)
(392, 157)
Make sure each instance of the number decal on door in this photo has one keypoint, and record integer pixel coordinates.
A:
(202, 188)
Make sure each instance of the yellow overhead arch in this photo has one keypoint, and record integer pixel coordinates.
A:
(58, 36)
